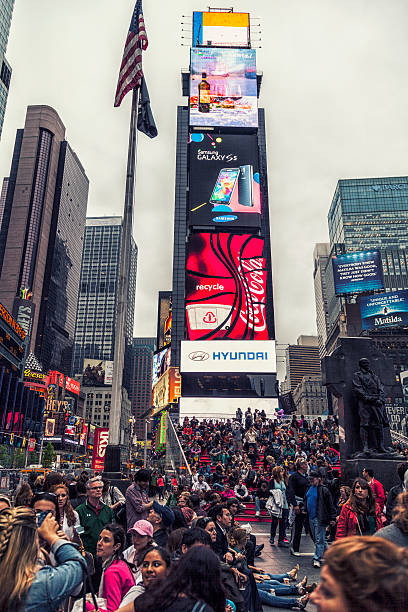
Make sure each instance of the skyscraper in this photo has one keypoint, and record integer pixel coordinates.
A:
(41, 235)
(321, 256)
(141, 379)
(6, 12)
(95, 319)
(302, 359)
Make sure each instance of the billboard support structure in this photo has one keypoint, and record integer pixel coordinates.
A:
(112, 463)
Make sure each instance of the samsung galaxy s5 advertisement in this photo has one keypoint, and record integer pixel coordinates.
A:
(224, 180)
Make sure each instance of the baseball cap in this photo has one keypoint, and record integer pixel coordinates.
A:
(143, 528)
(166, 513)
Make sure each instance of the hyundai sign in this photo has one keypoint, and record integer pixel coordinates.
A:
(384, 310)
(357, 272)
(256, 356)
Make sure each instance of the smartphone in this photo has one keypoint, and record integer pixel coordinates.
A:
(41, 516)
(224, 186)
(245, 185)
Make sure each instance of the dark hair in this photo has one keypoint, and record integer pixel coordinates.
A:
(401, 469)
(217, 510)
(174, 539)
(370, 503)
(24, 495)
(51, 497)
(203, 521)
(194, 501)
(142, 475)
(52, 479)
(231, 501)
(194, 536)
(81, 488)
(165, 555)
(179, 520)
(197, 575)
(400, 512)
(370, 472)
(118, 538)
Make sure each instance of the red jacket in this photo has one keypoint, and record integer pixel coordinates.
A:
(347, 523)
(378, 491)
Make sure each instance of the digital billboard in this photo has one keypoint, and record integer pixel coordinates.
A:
(223, 88)
(257, 356)
(167, 389)
(357, 272)
(384, 310)
(226, 281)
(220, 29)
(224, 180)
(97, 373)
(164, 319)
(161, 363)
(225, 408)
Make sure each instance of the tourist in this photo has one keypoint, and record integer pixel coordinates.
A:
(376, 486)
(24, 495)
(142, 539)
(261, 497)
(93, 515)
(200, 486)
(402, 471)
(222, 518)
(161, 518)
(69, 518)
(322, 513)
(137, 499)
(360, 515)
(298, 484)
(397, 532)
(278, 483)
(155, 568)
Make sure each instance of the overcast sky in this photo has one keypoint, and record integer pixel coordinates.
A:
(335, 90)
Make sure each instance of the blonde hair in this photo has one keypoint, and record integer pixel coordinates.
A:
(18, 556)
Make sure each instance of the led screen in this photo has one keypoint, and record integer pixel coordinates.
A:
(357, 272)
(384, 310)
(164, 319)
(218, 29)
(97, 373)
(226, 282)
(223, 88)
(161, 363)
(224, 180)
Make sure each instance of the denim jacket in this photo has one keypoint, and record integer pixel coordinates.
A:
(54, 584)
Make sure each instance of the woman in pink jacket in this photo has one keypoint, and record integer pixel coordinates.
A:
(117, 577)
(360, 515)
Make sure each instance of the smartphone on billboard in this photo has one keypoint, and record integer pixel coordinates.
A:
(224, 186)
(245, 185)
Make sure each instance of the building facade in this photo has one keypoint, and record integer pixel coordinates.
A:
(41, 236)
(95, 317)
(6, 13)
(141, 380)
(302, 359)
(310, 396)
(98, 408)
(321, 255)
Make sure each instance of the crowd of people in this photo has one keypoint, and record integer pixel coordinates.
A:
(176, 542)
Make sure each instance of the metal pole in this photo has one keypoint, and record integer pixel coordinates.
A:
(145, 445)
(41, 449)
(123, 279)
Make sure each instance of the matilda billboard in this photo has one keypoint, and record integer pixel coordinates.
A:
(224, 180)
(220, 29)
(357, 272)
(223, 88)
(384, 310)
(226, 280)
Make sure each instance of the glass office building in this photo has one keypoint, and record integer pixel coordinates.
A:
(95, 319)
(6, 13)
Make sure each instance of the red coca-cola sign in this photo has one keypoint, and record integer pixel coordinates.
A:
(226, 280)
(100, 443)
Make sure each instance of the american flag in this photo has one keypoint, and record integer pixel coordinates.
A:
(131, 73)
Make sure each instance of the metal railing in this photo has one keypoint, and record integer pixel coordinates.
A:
(175, 457)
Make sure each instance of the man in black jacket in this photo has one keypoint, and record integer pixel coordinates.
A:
(222, 518)
(297, 486)
(402, 471)
(320, 508)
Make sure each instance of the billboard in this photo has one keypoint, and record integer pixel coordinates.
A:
(245, 356)
(167, 389)
(357, 272)
(24, 311)
(97, 373)
(100, 443)
(384, 310)
(49, 427)
(220, 29)
(164, 319)
(161, 363)
(223, 88)
(226, 281)
(224, 407)
(72, 385)
(224, 180)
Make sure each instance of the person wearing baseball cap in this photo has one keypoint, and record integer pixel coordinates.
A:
(142, 538)
(161, 518)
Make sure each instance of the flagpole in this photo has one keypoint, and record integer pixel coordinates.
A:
(112, 456)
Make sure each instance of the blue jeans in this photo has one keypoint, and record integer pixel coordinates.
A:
(277, 577)
(279, 587)
(278, 602)
(319, 536)
(259, 503)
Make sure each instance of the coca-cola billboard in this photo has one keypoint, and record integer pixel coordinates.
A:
(100, 443)
(226, 287)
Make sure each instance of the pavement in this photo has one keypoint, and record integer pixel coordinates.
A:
(279, 560)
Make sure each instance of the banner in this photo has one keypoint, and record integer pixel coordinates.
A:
(31, 445)
(97, 373)
(100, 443)
(72, 385)
(49, 427)
(226, 287)
(384, 310)
(357, 272)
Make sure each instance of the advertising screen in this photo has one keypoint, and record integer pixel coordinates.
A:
(223, 408)
(97, 373)
(161, 363)
(384, 310)
(223, 88)
(226, 287)
(219, 29)
(245, 356)
(100, 443)
(357, 272)
(224, 180)
(167, 389)
(164, 319)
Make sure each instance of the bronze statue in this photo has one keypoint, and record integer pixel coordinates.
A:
(369, 392)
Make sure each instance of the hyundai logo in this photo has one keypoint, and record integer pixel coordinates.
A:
(199, 356)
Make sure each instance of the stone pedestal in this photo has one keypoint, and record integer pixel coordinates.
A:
(385, 470)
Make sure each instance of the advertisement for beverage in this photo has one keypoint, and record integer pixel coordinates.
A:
(226, 280)
(224, 180)
(357, 272)
(384, 310)
(223, 88)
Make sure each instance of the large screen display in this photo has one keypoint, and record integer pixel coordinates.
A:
(245, 356)
(164, 319)
(384, 310)
(219, 408)
(219, 29)
(226, 281)
(357, 272)
(161, 363)
(224, 180)
(223, 88)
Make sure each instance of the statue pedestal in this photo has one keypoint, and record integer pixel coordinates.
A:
(385, 470)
